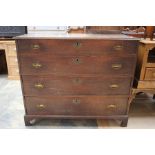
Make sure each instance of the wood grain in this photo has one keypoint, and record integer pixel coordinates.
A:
(77, 47)
(58, 65)
(75, 85)
(87, 106)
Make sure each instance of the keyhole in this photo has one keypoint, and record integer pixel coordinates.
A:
(76, 61)
(77, 44)
(76, 101)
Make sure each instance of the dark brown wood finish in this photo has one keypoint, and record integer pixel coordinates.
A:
(77, 47)
(47, 85)
(77, 105)
(58, 65)
(76, 77)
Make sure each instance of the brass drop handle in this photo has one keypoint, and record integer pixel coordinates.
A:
(76, 101)
(40, 106)
(39, 86)
(111, 106)
(36, 65)
(35, 46)
(114, 86)
(118, 47)
(116, 66)
(77, 45)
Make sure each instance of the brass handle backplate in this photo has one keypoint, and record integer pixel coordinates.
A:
(35, 46)
(40, 106)
(116, 66)
(36, 65)
(111, 106)
(118, 48)
(114, 86)
(76, 101)
(77, 45)
(39, 86)
(77, 61)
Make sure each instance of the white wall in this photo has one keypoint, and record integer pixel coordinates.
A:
(47, 28)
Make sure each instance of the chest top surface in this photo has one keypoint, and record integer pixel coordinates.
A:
(45, 35)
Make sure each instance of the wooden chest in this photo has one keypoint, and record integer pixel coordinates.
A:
(76, 75)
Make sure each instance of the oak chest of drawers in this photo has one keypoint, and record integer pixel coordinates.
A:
(76, 75)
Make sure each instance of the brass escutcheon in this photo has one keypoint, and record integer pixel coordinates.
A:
(77, 61)
(76, 101)
(77, 45)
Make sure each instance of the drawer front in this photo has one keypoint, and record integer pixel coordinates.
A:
(45, 65)
(76, 105)
(12, 50)
(77, 46)
(13, 71)
(149, 74)
(12, 60)
(46, 86)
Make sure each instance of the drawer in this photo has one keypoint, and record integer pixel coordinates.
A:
(77, 46)
(149, 74)
(11, 50)
(107, 65)
(76, 105)
(46, 85)
(12, 60)
(13, 71)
